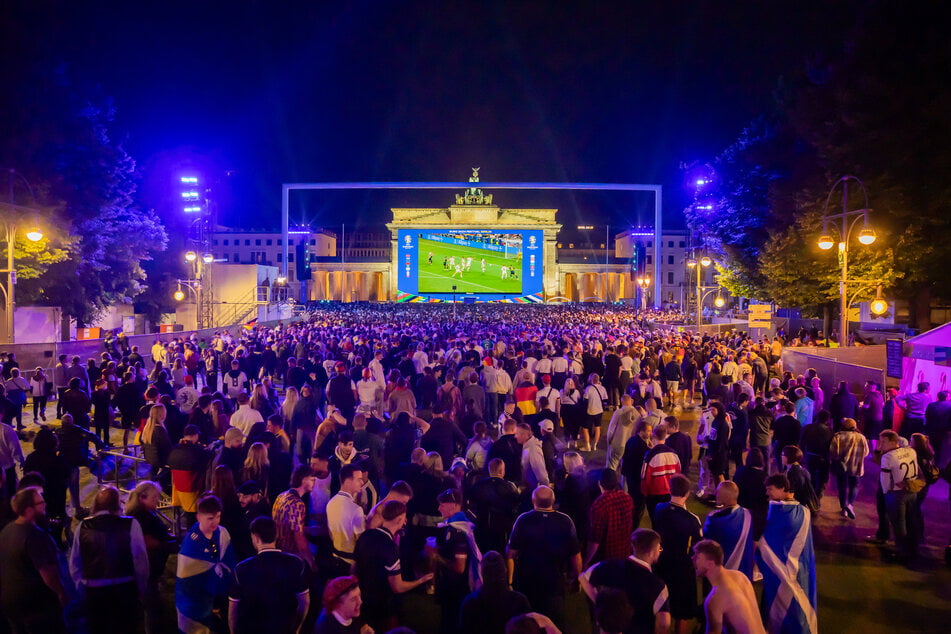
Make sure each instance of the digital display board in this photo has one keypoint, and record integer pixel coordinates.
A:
(483, 265)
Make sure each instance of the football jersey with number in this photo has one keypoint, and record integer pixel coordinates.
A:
(897, 466)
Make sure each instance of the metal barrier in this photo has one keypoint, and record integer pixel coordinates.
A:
(131, 453)
(832, 371)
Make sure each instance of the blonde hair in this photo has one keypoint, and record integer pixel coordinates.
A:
(257, 458)
(141, 490)
(156, 417)
(573, 460)
(290, 400)
(433, 463)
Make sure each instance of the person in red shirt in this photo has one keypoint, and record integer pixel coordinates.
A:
(661, 463)
(612, 519)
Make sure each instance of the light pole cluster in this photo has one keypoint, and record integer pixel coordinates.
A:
(866, 236)
(643, 284)
(14, 216)
(195, 202)
(698, 265)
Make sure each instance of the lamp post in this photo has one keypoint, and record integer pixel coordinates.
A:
(644, 282)
(33, 235)
(866, 236)
(699, 264)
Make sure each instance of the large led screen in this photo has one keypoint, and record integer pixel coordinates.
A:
(483, 265)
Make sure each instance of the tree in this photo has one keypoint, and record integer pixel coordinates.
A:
(60, 134)
(874, 111)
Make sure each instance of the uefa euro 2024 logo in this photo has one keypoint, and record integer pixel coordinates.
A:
(408, 239)
(531, 242)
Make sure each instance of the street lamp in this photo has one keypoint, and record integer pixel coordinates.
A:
(878, 306)
(699, 264)
(644, 283)
(33, 235)
(866, 237)
(207, 258)
(190, 256)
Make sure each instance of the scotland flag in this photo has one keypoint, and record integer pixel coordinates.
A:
(788, 564)
(731, 527)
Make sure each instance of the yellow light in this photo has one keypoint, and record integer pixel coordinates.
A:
(826, 242)
(190, 256)
(706, 261)
(179, 295)
(281, 279)
(878, 306)
(691, 263)
(867, 236)
(35, 235)
(207, 258)
(719, 302)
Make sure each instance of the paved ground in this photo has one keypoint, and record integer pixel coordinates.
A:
(858, 590)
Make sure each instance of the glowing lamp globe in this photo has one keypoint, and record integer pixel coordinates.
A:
(190, 256)
(34, 236)
(878, 306)
(691, 263)
(867, 236)
(207, 258)
(826, 242)
(706, 261)
(281, 280)
(179, 295)
(719, 302)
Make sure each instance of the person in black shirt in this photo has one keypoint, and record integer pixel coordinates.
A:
(786, 431)
(159, 544)
(507, 449)
(271, 591)
(679, 442)
(546, 554)
(646, 591)
(488, 609)
(679, 529)
(751, 480)
(494, 502)
(377, 566)
(444, 437)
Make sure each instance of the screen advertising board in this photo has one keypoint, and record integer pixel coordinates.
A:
(483, 265)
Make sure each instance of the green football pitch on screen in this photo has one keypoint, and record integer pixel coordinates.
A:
(435, 277)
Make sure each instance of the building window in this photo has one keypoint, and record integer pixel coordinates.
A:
(280, 243)
(268, 242)
(670, 277)
(670, 244)
(290, 257)
(682, 244)
(290, 242)
(280, 257)
(650, 243)
(559, 245)
(670, 259)
(214, 243)
(571, 246)
(235, 258)
(257, 243)
(247, 243)
(226, 243)
(313, 242)
(650, 259)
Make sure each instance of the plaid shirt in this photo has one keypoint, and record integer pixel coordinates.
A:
(289, 514)
(612, 518)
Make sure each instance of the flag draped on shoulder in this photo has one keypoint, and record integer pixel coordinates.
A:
(787, 561)
(732, 528)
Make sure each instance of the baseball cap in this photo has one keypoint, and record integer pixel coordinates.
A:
(249, 488)
(547, 426)
(449, 496)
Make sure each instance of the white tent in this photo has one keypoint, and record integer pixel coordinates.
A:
(925, 358)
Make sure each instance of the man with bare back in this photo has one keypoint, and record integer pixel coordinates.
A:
(731, 604)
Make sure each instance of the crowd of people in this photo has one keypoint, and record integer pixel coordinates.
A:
(336, 474)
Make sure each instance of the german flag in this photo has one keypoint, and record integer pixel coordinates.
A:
(250, 325)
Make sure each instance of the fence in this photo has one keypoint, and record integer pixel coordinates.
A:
(832, 370)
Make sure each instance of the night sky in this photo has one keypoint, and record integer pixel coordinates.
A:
(252, 94)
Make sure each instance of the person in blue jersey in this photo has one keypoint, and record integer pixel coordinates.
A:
(731, 526)
(206, 564)
(786, 558)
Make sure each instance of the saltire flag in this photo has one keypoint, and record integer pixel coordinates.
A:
(204, 572)
(732, 528)
(788, 564)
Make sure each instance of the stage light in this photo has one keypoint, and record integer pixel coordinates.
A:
(207, 258)
(190, 195)
(35, 235)
(867, 236)
(281, 280)
(826, 242)
(190, 256)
